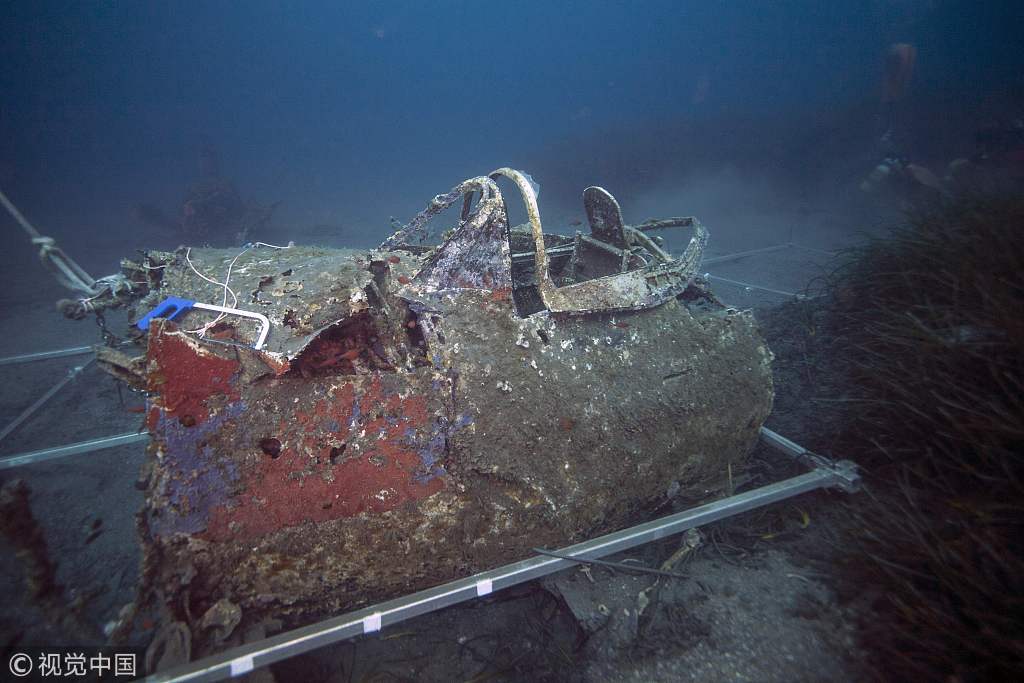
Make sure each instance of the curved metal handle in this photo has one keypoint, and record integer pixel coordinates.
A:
(173, 306)
(264, 321)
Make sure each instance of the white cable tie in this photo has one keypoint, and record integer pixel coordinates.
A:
(371, 624)
(242, 665)
(484, 587)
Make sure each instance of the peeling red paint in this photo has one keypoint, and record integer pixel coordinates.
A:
(278, 365)
(376, 471)
(184, 379)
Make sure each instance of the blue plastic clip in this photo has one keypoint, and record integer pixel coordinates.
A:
(168, 308)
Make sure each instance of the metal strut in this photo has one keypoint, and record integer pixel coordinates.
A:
(46, 355)
(41, 401)
(82, 447)
(825, 473)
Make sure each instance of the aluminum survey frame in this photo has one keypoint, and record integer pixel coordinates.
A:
(825, 473)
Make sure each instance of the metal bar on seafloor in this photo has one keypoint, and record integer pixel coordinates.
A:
(782, 444)
(30, 411)
(242, 660)
(22, 459)
(45, 355)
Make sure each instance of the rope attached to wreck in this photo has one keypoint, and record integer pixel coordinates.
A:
(94, 295)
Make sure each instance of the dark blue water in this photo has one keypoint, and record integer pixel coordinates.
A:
(349, 113)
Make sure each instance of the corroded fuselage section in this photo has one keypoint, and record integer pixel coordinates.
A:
(411, 443)
(408, 422)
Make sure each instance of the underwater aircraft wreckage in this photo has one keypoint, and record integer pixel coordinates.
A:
(335, 427)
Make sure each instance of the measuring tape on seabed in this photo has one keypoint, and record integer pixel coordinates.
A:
(173, 306)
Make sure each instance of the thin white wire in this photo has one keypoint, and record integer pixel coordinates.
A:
(224, 285)
(273, 246)
(201, 331)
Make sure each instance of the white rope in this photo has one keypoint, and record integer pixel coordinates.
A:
(111, 285)
(68, 273)
(22, 221)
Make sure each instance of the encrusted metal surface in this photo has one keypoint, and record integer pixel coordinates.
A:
(302, 290)
(475, 256)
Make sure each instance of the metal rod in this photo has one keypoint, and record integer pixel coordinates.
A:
(565, 250)
(750, 286)
(31, 457)
(45, 355)
(845, 472)
(241, 660)
(30, 411)
(743, 254)
(823, 252)
(782, 444)
(59, 353)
